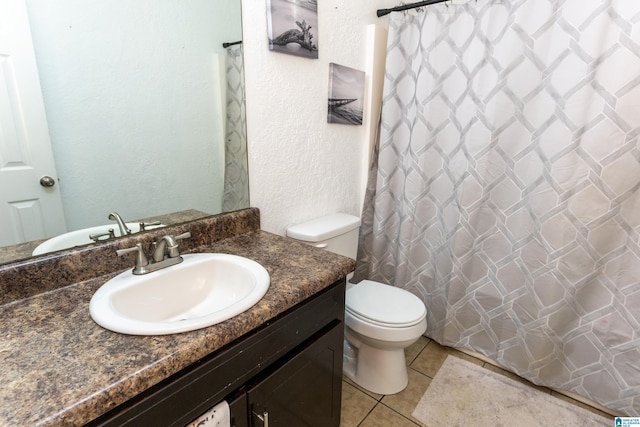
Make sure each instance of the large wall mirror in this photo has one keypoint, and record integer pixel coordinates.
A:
(145, 112)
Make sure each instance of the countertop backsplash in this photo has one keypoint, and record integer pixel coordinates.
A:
(23, 279)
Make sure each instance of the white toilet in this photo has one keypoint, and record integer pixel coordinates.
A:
(381, 320)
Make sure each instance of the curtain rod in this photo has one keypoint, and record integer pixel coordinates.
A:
(383, 12)
(226, 45)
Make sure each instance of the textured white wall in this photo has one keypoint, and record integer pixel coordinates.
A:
(300, 166)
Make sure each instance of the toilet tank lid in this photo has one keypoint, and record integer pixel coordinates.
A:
(324, 228)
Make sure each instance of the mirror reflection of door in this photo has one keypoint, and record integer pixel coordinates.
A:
(29, 210)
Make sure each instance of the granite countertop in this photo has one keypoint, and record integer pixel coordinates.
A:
(57, 367)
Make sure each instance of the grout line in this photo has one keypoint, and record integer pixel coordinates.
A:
(420, 372)
(389, 407)
(368, 413)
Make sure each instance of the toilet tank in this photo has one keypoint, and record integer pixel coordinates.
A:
(335, 232)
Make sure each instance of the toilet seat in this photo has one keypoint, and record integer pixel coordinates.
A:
(384, 305)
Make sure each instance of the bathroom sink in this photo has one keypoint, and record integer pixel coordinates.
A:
(201, 291)
(81, 237)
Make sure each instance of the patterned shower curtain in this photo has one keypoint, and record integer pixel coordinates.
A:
(506, 192)
(236, 171)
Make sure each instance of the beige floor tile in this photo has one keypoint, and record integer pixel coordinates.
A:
(433, 356)
(382, 416)
(430, 359)
(411, 352)
(355, 405)
(405, 401)
(375, 396)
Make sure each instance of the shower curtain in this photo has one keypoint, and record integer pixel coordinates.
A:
(236, 171)
(506, 192)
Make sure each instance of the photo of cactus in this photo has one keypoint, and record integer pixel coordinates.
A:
(293, 27)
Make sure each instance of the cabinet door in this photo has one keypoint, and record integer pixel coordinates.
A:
(238, 410)
(304, 391)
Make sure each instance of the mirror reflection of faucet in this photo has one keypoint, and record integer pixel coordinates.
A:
(124, 230)
(101, 237)
(96, 234)
(144, 225)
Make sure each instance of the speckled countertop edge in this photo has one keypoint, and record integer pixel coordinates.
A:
(58, 367)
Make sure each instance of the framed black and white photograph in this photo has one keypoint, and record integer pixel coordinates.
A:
(293, 27)
(346, 95)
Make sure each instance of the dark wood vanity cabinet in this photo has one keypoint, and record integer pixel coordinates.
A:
(288, 372)
(304, 391)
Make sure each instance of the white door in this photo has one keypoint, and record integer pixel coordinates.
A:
(29, 210)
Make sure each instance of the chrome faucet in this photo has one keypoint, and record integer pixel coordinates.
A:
(124, 230)
(165, 253)
(168, 246)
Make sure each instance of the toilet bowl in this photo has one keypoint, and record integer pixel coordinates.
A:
(380, 320)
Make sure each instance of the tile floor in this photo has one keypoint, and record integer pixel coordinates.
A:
(365, 409)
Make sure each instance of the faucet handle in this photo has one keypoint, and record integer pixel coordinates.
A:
(183, 236)
(167, 245)
(141, 258)
(144, 225)
(172, 249)
(98, 237)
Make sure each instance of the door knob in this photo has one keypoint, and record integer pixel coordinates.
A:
(47, 181)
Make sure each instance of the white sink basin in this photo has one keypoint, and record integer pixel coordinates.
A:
(81, 237)
(201, 291)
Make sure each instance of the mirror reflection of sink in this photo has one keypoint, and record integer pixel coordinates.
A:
(81, 237)
(203, 290)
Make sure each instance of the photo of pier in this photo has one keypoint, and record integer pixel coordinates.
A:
(346, 95)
